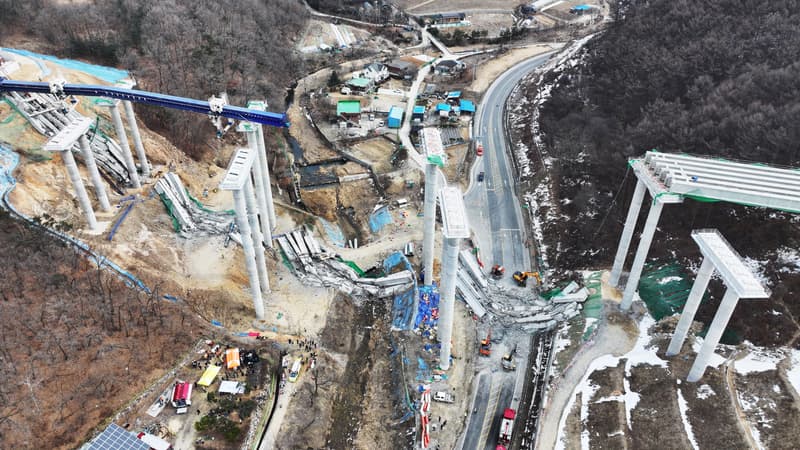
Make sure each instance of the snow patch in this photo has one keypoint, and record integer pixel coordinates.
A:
(670, 279)
(705, 391)
(758, 361)
(684, 407)
(794, 372)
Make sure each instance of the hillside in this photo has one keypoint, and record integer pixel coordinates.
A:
(81, 343)
(708, 78)
(181, 47)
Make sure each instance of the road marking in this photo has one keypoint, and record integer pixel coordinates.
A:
(488, 417)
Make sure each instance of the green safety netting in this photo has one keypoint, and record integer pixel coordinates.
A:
(352, 265)
(664, 288)
(593, 306)
(229, 212)
(168, 204)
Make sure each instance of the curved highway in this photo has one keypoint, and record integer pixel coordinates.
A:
(494, 211)
(495, 216)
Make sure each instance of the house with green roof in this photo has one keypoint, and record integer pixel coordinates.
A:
(349, 110)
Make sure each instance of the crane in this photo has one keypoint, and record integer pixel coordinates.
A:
(522, 278)
(216, 107)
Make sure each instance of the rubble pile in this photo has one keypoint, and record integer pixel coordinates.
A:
(48, 115)
(189, 216)
(318, 266)
(515, 307)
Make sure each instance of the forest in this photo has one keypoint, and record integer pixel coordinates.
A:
(76, 342)
(190, 48)
(718, 77)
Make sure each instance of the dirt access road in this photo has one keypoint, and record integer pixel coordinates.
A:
(611, 338)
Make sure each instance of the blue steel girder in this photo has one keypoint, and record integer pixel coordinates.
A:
(150, 98)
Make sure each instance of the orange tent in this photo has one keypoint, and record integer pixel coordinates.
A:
(232, 358)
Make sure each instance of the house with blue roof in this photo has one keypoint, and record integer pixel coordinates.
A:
(466, 106)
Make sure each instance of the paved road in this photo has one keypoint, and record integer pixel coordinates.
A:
(492, 205)
(475, 423)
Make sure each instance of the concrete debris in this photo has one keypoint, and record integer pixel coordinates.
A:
(48, 115)
(469, 262)
(316, 266)
(191, 217)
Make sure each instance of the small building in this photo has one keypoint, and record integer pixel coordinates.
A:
(584, 9)
(359, 84)
(430, 90)
(349, 110)
(443, 109)
(446, 18)
(114, 437)
(232, 358)
(418, 112)
(182, 394)
(376, 72)
(453, 96)
(401, 69)
(395, 117)
(449, 66)
(466, 106)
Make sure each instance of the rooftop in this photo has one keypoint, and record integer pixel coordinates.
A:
(396, 112)
(443, 107)
(348, 107)
(419, 109)
(467, 105)
(117, 438)
(359, 82)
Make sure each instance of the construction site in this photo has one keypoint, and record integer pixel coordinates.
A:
(379, 266)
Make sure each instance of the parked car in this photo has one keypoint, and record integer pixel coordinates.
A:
(480, 177)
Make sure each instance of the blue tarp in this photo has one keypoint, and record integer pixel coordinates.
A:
(467, 106)
(428, 309)
(379, 219)
(109, 74)
(403, 304)
(443, 107)
(334, 232)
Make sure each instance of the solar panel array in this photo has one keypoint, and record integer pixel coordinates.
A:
(117, 438)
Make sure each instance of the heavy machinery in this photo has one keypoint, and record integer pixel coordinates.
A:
(522, 278)
(508, 362)
(498, 271)
(486, 345)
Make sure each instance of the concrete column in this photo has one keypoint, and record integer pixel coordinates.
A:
(714, 333)
(126, 149)
(249, 253)
(137, 139)
(641, 253)
(260, 190)
(80, 191)
(262, 160)
(627, 233)
(447, 299)
(689, 310)
(252, 216)
(94, 174)
(429, 221)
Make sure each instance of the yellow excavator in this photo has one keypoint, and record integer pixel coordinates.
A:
(522, 278)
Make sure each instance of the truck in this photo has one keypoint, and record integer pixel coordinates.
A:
(444, 397)
(295, 372)
(506, 427)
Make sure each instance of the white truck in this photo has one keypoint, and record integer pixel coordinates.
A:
(444, 397)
